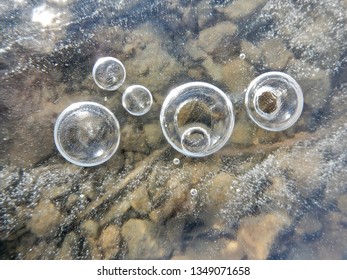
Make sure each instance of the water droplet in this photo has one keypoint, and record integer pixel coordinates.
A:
(193, 192)
(109, 73)
(242, 56)
(176, 161)
(137, 100)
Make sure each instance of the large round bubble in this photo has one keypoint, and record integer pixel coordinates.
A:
(197, 119)
(87, 134)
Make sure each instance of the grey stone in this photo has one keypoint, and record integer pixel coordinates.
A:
(342, 203)
(314, 82)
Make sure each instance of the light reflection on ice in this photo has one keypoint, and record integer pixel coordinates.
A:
(45, 16)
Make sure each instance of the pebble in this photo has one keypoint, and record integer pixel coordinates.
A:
(145, 240)
(252, 53)
(139, 200)
(45, 218)
(90, 228)
(109, 241)
(153, 134)
(237, 75)
(275, 54)
(257, 234)
(69, 248)
(218, 40)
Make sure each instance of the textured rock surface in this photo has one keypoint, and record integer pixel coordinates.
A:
(145, 240)
(257, 234)
(45, 218)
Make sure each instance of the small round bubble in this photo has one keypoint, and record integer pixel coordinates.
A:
(193, 192)
(137, 100)
(274, 101)
(109, 73)
(176, 161)
(242, 56)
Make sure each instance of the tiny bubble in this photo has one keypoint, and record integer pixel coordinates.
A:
(193, 192)
(242, 56)
(176, 161)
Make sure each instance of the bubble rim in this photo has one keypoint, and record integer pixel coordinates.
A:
(57, 141)
(98, 63)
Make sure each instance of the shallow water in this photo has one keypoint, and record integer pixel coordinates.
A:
(264, 195)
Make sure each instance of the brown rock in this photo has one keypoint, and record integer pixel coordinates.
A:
(45, 218)
(257, 234)
(218, 38)
(145, 240)
(275, 54)
(237, 75)
(90, 228)
(109, 241)
(139, 200)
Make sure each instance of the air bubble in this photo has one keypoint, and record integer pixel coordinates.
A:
(197, 119)
(242, 56)
(274, 101)
(87, 134)
(193, 192)
(176, 161)
(109, 73)
(137, 100)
